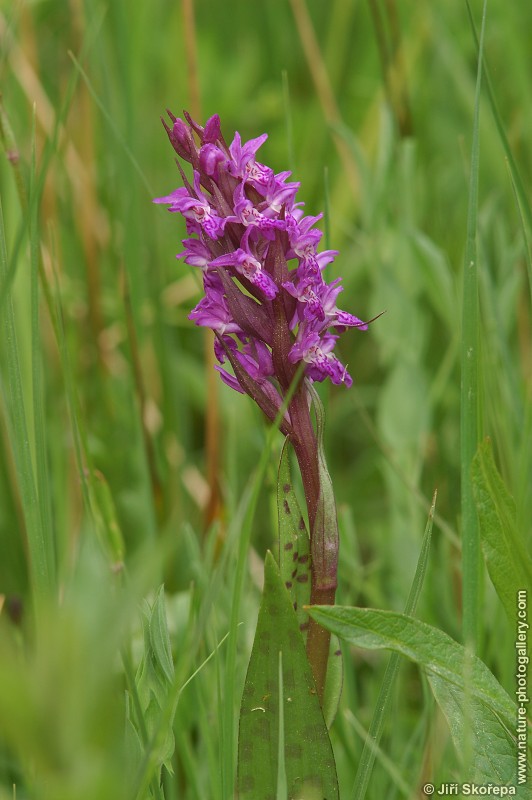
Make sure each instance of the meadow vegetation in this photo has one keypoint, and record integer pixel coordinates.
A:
(126, 465)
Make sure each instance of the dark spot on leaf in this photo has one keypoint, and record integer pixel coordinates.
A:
(246, 751)
(246, 783)
(301, 524)
(303, 559)
(262, 726)
(294, 639)
(295, 556)
(295, 606)
(294, 573)
(286, 507)
(286, 488)
(288, 584)
(293, 751)
(302, 578)
(304, 626)
(263, 648)
(337, 652)
(289, 681)
(288, 546)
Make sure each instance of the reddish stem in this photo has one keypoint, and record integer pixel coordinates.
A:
(305, 446)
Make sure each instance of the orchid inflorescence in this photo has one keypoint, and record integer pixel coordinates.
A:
(265, 295)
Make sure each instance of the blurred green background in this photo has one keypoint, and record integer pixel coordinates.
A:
(370, 104)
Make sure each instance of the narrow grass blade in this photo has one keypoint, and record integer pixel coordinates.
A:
(469, 413)
(308, 758)
(522, 198)
(40, 568)
(112, 126)
(507, 558)
(382, 707)
(39, 417)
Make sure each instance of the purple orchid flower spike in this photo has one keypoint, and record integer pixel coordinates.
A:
(233, 225)
(265, 299)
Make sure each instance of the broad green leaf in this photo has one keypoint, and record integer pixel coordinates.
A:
(432, 649)
(294, 544)
(493, 756)
(509, 564)
(308, 757)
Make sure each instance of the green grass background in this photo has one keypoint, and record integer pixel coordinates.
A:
(103, 402)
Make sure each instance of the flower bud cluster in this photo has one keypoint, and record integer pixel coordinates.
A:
(265, 295)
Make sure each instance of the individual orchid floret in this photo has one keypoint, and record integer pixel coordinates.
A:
(250, 268)
(316, 352)
(243, 164)
(195, 208)
(195, 253)
(213, 313)
(247, 214)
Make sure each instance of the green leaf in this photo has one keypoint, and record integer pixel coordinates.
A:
(509, 564)
(493, 756)
(105, 518)
(308, 757)
(159, 636)
(325, 538)
(153, 683)
(325, 543)
(334, 682)
(294, 543)
(432, 649)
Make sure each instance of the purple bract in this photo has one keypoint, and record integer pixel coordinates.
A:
(265, 295)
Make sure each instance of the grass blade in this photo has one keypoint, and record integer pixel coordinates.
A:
(469, 414)
(40, 568)
(39, 419)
